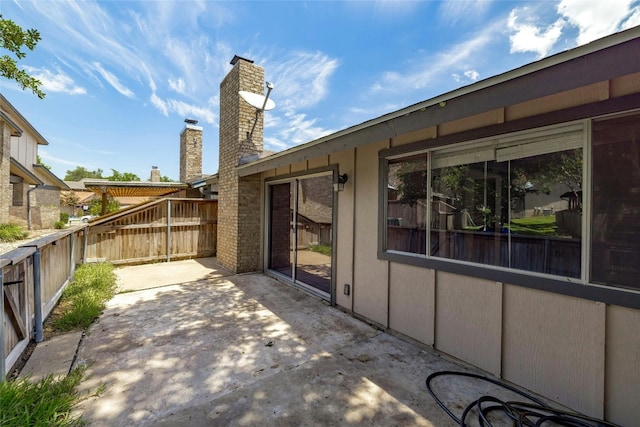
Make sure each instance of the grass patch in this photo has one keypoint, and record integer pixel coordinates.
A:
(11, 233)
(537, 226)
(84, 299)
(47, 402)
(323, 249)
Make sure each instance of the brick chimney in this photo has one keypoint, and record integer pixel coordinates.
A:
(239, 198)
(190, 151)
(155, 174)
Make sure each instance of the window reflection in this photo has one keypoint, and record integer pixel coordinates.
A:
(523, 213)
(407, 204)
(615, 243)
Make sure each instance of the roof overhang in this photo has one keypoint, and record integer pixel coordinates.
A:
(601, 60)
(134, 188)
(15, 129)
(39, 138)
(49, 176)
(27, 176)
(205, 180)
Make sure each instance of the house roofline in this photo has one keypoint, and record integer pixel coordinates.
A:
(11, 123)
(18, 169)
(41, 169)
(488, 94)
(41, 140)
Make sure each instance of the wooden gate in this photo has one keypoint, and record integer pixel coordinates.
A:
(163, 230)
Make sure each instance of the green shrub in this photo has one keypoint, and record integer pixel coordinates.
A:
(59, 225)
(85, 297)
(64, 217)
(323, 249)
(47, 402)
(11, 233)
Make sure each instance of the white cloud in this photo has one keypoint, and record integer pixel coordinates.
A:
(468, 76)
(453, 11)
(58, 82)
(295, 129)
(633, 20)
(177, 85)
(192, 111)
(160, 104)
(302, 80)
(424, 73)
(472, 75)
(48, 158)
(183, 109)
(528, 37)
(113, 80)
(596, 19)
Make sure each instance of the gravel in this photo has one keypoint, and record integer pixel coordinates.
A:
(33, 235)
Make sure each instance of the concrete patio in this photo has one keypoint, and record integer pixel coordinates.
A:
(246, 350)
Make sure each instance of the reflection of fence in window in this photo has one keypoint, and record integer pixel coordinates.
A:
(519, 207)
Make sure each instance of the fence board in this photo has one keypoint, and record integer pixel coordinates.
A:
(59, 254)
(135, 236)
(141, 234)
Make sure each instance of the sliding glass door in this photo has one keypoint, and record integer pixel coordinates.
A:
(300, 231)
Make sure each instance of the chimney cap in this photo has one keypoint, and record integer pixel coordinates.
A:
(191, 121)
(236, 58)
(154, 167)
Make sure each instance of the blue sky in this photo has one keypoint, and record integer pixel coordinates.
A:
(122, 76)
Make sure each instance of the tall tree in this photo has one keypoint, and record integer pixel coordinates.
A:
(13, 38)
(80, 172)
(40, 162)
(95, 208)
(122, 176)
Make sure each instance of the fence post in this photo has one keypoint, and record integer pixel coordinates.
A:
(37, 296)
(168, 230)
(72, 260)
(2, 368)
(86, 243)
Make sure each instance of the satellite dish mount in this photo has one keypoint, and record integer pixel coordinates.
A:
(260, 102)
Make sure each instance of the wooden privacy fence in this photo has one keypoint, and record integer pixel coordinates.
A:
(34, 275)
(158, 231)
(33, 278)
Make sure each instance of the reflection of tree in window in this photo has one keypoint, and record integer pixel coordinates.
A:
(406, 204)
(412, 181)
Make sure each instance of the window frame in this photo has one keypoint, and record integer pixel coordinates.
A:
(576, 287)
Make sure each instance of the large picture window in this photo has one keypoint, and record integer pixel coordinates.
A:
(511, 202)
(615, 229)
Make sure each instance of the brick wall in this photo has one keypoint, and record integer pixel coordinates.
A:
(190, 153)
(5, 164)
(155, 173)
(239, 198)
(45, 209)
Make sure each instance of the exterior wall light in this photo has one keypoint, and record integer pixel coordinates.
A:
(342, 179)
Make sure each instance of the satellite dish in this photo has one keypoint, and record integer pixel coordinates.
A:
(257, 101)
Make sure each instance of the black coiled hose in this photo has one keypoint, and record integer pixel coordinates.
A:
(522, 414)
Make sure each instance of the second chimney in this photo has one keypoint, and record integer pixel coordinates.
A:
(190, 151)
(155, 174)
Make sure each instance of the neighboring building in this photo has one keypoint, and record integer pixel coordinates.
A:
(88, 189)
(207, 185)
(29, 192)
(450, 228)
